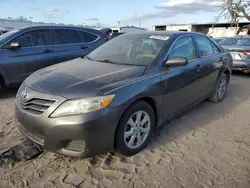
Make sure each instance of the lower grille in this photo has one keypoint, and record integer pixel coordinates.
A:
(76, 146)
(36, 106)
(35, 137)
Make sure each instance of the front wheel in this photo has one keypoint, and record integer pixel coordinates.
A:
(221, 89)
(135, 129)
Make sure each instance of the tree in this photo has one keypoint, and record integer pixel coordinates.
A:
(20, 19)
(234, 10)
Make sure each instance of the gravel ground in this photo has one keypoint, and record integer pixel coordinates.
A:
(207, 147)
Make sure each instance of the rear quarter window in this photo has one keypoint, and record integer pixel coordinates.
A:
(88, 37)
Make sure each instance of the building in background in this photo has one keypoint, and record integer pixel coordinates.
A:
(6, 25)
(129, 29)
(12, 24)
(211, 29)
(126, 29)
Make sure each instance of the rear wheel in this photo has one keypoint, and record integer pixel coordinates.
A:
(221, 89)
(135, 129)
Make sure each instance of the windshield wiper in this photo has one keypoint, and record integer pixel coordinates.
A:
(106, 61)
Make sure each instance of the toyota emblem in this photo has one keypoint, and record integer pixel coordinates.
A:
(24, 95)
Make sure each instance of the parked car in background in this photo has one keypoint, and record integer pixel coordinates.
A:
(27, 50)
(218, 40)
(2, 32)
(116, 96)
(107, 32)
(239, 47)
(115, 34)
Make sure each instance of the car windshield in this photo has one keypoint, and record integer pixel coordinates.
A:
(130, 50)
(236, 41)
(5, 35)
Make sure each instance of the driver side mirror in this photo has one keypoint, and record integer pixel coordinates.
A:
(176, 61)
(14, 46)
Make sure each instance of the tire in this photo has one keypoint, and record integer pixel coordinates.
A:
(131, 144)
(2, 83)
(217, 95)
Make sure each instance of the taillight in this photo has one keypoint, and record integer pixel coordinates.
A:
(246, 52)
(104, 35)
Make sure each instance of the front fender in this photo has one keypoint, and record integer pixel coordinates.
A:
(149, 86)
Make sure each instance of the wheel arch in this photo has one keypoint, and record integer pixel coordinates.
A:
(148, 100)
(227, 72)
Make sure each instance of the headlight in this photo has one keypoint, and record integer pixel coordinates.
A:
(82, 106)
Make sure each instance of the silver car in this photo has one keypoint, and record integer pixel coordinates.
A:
(239, 47)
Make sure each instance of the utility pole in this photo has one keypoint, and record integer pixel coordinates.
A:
(139, 23)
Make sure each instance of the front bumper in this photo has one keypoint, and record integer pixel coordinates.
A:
(79, 136)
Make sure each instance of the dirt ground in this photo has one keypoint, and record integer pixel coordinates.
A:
(207, 147)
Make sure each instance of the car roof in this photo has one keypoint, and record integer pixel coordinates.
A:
(239, 37)
(54, 27)
(162, 33)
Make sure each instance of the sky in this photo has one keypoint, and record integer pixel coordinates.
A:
(113, 12)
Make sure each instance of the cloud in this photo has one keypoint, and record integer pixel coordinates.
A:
(95, 19)
(189, 3)
(173, 8)
(189, 6)
(51, 14)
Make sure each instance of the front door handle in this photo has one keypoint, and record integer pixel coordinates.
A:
(198, 68)
(48, 51)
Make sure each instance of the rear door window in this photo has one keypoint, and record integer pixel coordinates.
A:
(215, 48)
(184, 47)
(67, 36)
(204, 45)
(88, 37)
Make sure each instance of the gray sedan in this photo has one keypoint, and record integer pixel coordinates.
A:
(115, 97)
(239, 47)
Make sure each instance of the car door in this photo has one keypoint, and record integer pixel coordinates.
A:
(68, 45)
(31, 56)
(181, 84)
(211, 61)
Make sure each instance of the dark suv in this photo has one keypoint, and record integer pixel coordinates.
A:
(27, 50)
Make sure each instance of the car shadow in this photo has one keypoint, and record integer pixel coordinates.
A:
(203, 114)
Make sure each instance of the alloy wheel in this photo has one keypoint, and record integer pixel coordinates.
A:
(137, 129)
(222, 87)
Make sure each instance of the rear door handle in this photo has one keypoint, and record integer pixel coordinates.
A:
(48, 51)
(83, 47)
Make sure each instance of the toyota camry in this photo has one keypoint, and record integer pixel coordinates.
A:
(115, 97)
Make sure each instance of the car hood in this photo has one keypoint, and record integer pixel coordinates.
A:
(81, 78)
